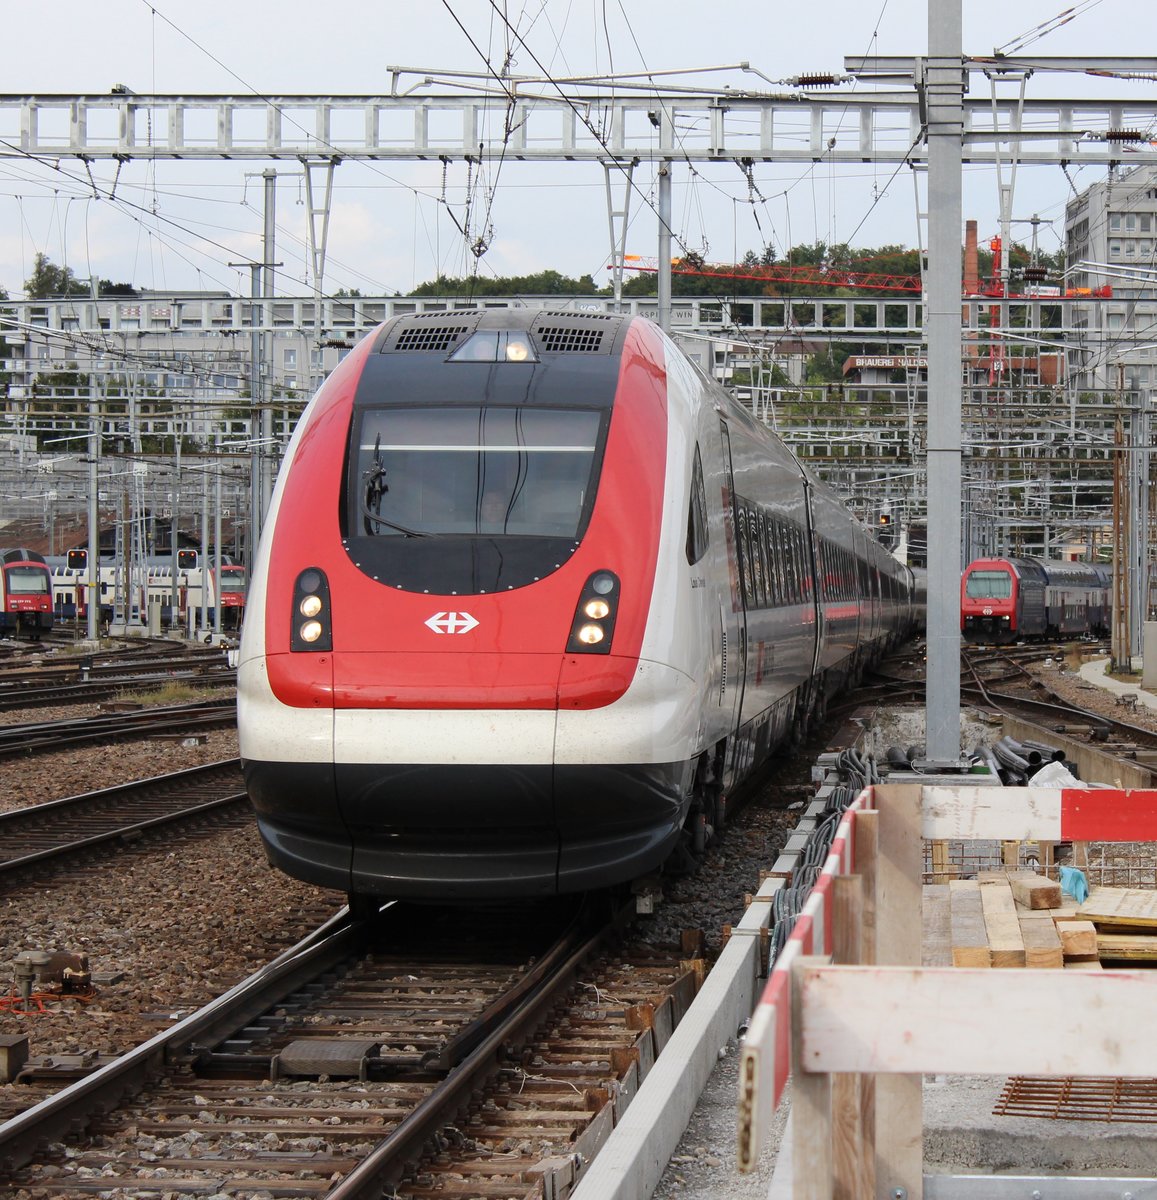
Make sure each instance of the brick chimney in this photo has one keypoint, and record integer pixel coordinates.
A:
(971, 260)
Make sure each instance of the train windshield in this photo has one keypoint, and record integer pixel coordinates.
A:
(232, 579)
(476, 471)
(27, 581)
(989, 585)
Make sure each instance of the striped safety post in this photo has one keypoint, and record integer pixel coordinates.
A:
(766, 1056)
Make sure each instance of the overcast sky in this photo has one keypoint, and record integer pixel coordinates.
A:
(179, 225)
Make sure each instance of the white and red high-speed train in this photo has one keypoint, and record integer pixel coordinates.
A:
(533, 596)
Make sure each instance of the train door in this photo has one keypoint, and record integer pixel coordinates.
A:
(732, 614)
(812, 567)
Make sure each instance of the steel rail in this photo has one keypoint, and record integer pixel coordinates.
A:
(113, 806)
(189, 1044)
(70, 1110)
(15, 697)
(33, 737)
(405, 1141)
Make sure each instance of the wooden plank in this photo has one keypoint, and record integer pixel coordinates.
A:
(937, 941)
(942, 869)
(1010, 854)
(910, 1020)
(867, 839)
(1120, 906)
(899, 1100)
(1030, 890)
(1005, 943)
(1078, 940)
(969, 936)
(811, 1109)
(1042, 943)
(1126, 947)
(1026, 814)
(1066, 911)
(848, 1148)
(1082, 965)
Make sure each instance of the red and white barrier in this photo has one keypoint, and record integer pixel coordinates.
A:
(961, 813)
(766, 1061)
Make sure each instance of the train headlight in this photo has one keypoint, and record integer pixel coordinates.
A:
(311, 602)
(496, 346)
(593, 626)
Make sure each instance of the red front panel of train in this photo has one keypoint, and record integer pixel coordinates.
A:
(397, 648)
(988, 599)
(28, 589)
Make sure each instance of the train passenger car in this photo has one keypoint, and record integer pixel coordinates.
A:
(150, 584)
(229, 585)
(1078, 599)
(533, 597)
(1013, 599)
(25, 594)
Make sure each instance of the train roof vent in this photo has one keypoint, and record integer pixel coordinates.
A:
(428, 338)
(569, 313)
(560, 339)
(20, 555)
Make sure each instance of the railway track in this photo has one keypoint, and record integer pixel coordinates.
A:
(30, 738)
(30, 837)
(92, 677)
(1047, 708)
(428, 1051)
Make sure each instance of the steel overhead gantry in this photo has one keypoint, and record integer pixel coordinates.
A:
(833, 125)
(929, 122)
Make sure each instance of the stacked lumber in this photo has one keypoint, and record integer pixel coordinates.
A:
(1124, 921)
(1007, 919)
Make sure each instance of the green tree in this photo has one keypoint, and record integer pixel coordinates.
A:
(544, 283)
(49, 281)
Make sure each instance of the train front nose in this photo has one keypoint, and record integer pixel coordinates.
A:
(450, 804)
(443, 771)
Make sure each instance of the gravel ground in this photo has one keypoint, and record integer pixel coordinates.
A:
(180, 925)
(1077, 691)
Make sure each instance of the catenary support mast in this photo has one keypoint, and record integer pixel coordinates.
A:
(944, 97)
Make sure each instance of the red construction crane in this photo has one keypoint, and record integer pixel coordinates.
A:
(839, 277)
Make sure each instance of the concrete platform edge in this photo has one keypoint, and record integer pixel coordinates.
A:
(632, 1162)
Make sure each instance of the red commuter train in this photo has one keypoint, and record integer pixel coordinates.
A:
(25, 594)
(1013, 599)
(533, 597)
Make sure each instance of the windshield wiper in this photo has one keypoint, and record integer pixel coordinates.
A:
(376, 488)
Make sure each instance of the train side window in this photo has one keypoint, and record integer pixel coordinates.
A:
(697, 513)
(768, 598)
(775, 558)
(744, 551)
(759, 557)
(792, 564)
(788, 565)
